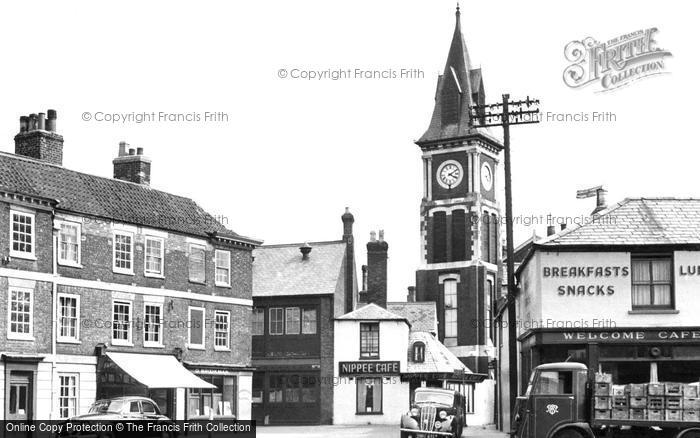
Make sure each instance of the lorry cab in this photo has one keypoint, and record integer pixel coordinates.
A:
(554, 405)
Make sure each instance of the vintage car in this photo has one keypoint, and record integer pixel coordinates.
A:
(118, 409)
(435, 412)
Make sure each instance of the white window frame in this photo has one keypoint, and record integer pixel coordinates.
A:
(130, 332)
(226, 347)
(153, 344)
(227, 268)
(147, 273)
(204, 261)
(190, 345)
(116, 269)
(287, 312)
(23, 254)
(20, 336)
(76, 376)
(68, 262)
(303, 312)
(269, 329)
(68, 339)
(259, 310)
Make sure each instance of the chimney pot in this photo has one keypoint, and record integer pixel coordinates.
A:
(41, 121)
(305, 251)
(132, 151)
(32, 122)
(550, 230)
(411, 297)
(51, 120)
(122, 148)
(139, 151)
(372, 236)
(563, 227)
(23, 124)
(381, 235)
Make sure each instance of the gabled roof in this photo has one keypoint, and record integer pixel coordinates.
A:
(453, 97)
(280, 270)
(636, 221)
(372, 312)
(107, 198)
(438, 358)
(421, 315)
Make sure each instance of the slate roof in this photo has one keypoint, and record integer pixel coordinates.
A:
(107, 198)
(279, 270)
(438, 359)
(372, 312)
(421, 315)
(636, 221)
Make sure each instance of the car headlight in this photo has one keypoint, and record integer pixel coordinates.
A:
(443, 414)
(415, 412)
(438, 425)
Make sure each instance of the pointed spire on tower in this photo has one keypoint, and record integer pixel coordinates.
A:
(457, 88)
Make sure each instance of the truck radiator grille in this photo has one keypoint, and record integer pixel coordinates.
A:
(427, 418)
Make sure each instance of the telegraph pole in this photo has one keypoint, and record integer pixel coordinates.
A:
(505, 114)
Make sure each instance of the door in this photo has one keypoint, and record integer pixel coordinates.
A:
(551, 402)
(19, 398)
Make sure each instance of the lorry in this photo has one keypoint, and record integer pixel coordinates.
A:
(562, 400)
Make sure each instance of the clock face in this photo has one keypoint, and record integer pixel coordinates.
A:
(449, 174)
(486, 176)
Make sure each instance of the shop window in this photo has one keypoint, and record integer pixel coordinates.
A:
(276, 321)
(369, 340)
(277, 384)
(68, 395)
(68, 315)
(197, 264)
(554, 383)
(419, 352)
(450, 289)
(258, 322)
(309, 391)
(69, 243)
(22, 234)
(196, 328)
(292, 392)
(369, 396)
(293, 317)
(217, 401)
(651, 283)
(309, 322)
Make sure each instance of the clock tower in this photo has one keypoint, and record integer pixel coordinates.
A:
(460, 217)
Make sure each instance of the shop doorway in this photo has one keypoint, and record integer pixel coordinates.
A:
(19, 399)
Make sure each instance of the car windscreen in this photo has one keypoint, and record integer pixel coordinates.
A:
(106, 406)
(434, 397)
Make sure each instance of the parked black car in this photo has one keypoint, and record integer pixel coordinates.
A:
(435, 412)
(119, 409)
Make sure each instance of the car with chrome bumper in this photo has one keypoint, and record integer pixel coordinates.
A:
(435, 412)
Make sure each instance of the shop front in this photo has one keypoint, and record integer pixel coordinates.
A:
(630, 355)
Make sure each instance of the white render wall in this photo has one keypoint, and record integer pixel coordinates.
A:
(393, 346)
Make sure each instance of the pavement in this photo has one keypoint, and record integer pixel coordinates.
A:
(369, 431)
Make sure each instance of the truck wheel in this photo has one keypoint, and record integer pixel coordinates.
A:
(694, 433)
(569, 433)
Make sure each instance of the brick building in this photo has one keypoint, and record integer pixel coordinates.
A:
(298, 290)
(110, 287)
(460, 217)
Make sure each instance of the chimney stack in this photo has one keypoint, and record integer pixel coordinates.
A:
(411, 297)
(551, 229)
(132, 167)
(350, 278)
(37, 138)
(601, 203)
(377, 255)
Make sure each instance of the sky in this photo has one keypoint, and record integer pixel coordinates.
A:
(292, 152)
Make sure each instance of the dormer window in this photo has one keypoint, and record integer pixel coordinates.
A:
(418, 352)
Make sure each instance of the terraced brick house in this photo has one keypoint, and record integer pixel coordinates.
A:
(110, 287)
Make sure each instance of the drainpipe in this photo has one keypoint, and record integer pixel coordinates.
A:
(54, 315)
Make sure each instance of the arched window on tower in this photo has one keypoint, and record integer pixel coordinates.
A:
(418, 352)
(439, 237)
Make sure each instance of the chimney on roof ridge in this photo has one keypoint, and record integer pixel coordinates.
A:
(305, 250)
(132, 166)
(551, 229)
(377, 255)
(37, 138)
(599, 192)
(411, 296)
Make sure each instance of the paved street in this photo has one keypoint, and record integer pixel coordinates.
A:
(356, 431)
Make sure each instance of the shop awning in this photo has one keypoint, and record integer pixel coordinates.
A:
(157, 371)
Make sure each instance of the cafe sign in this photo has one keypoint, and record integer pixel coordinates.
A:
(622, 336)
(368, 368)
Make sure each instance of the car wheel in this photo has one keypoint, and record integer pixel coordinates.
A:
(569, 433)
